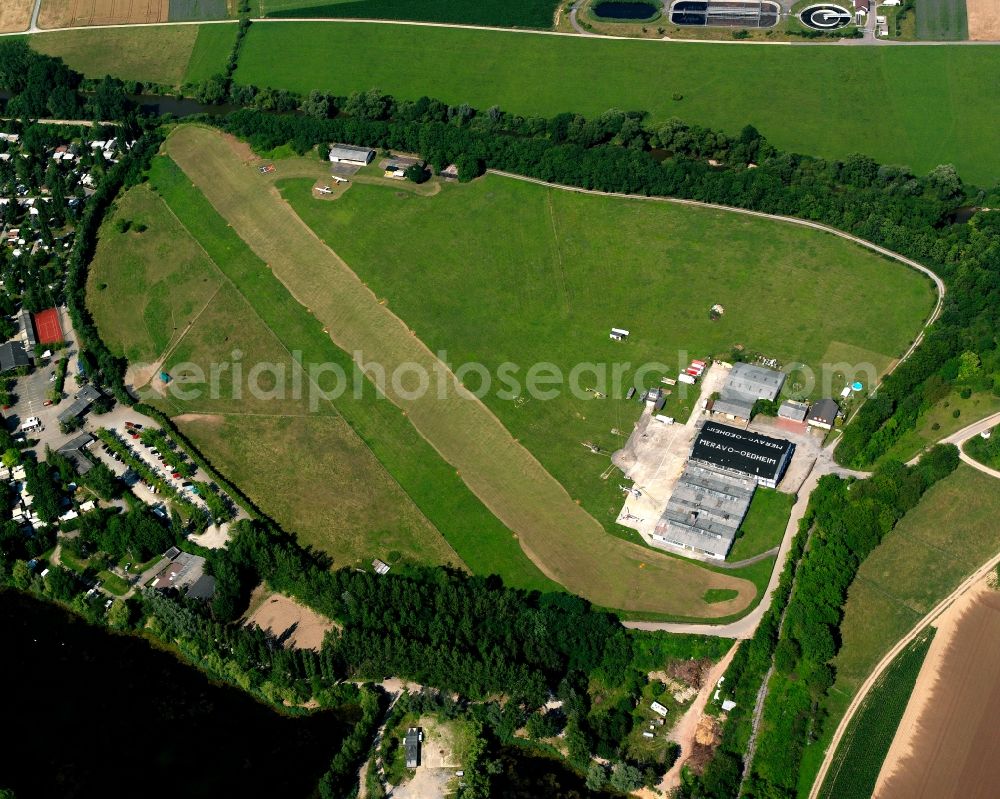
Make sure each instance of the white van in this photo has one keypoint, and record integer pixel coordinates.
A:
(31, 424)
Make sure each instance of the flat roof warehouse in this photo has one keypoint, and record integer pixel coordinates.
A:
(742, 451)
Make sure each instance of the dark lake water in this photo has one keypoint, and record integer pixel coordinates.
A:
(87, 714)
(637, 11)
(90, 714)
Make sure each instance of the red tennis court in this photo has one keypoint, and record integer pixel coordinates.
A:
(47, 328)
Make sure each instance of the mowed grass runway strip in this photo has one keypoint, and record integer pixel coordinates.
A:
(559, 536)
(919, 106)
(503, 270)
(482, 542)
(158, 289)
(951, 532)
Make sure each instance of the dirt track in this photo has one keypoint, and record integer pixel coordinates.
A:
(946, 745)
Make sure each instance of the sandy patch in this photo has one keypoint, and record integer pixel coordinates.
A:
(984, 20)
(438, 763)
(946, 744)
(296, 625)
(15, 15)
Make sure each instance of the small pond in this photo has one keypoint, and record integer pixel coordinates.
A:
(625, 11)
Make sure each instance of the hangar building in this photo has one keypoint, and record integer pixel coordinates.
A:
(715, 490)
(743, 453)
(745, 385)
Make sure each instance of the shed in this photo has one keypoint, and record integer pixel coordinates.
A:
(411, 743)
(793, 411)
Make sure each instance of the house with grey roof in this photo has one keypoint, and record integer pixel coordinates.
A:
(13, 355)
(823, 414)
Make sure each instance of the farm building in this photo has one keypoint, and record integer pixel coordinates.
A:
(823, 414)
(745, 385)
(411, 743)
(13, 355)
(349, 154)
(742, 453)
(793, 411)
(705, 511)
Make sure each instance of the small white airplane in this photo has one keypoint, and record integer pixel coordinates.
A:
(339, 180)
(324, 190)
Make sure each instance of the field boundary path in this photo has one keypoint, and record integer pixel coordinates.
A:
(565, 541)
(859, 697)
(580, 31)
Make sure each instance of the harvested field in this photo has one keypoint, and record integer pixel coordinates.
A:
(984, 20)
(72, 13)
(566, 543)
(294, 625)
(934, 547)
(156, 53)
(15, 15)
(947, 745)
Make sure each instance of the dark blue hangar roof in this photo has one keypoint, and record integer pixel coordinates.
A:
(742, 451)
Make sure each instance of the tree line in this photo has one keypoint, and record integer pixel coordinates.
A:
(846, 519)
(617, 152)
